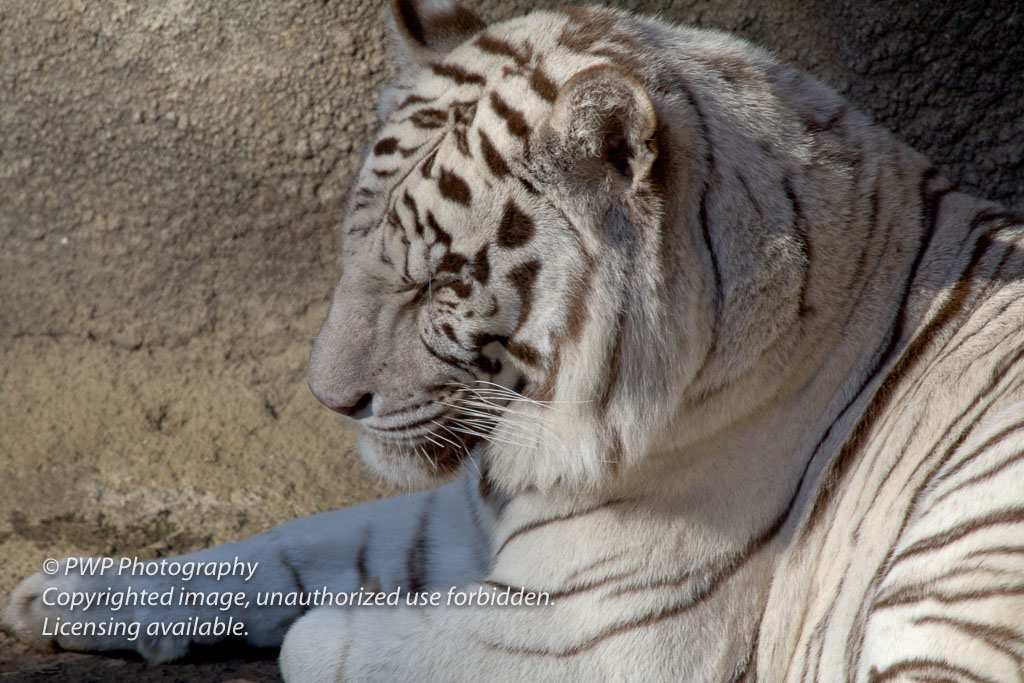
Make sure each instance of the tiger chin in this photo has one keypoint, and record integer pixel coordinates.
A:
(686, 344)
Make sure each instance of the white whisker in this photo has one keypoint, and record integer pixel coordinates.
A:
(472, 461)
(538, 419)
(445, 439)
(422, 452)
(476, 413)
(489, 437)
(506, 391)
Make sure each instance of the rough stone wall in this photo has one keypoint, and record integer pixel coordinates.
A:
(172, 176)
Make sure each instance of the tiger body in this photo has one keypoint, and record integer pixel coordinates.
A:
(726, 370)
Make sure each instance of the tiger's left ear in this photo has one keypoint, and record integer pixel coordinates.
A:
(606, 123)
(424, 31)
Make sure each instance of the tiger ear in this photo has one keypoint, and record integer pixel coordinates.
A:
(606, 122)
(423, 31)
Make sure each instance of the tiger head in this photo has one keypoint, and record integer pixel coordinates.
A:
(527, 267)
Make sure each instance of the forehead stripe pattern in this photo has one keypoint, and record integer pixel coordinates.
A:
(514, 118)
(481, 266)
(457, 74)
(428, 164)
(496, 46)
(454, 187)
(413, 99)
(429, 118)
(516, 228)
(386, 146)
(452, 263)
(492, 157)
(543, 85)
(440, 233)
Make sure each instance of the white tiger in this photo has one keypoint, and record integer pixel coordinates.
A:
(738, 377)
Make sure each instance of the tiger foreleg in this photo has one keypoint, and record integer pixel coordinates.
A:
(451, 640)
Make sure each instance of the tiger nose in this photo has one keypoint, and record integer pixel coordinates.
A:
(356, 408)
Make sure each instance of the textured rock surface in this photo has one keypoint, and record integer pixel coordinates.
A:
(171, 180)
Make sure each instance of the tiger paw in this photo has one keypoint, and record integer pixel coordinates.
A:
(315, 646)
(75, 610)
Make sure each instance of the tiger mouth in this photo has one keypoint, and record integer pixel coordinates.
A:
(444, 447)
(448, 456)
(461, 420)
